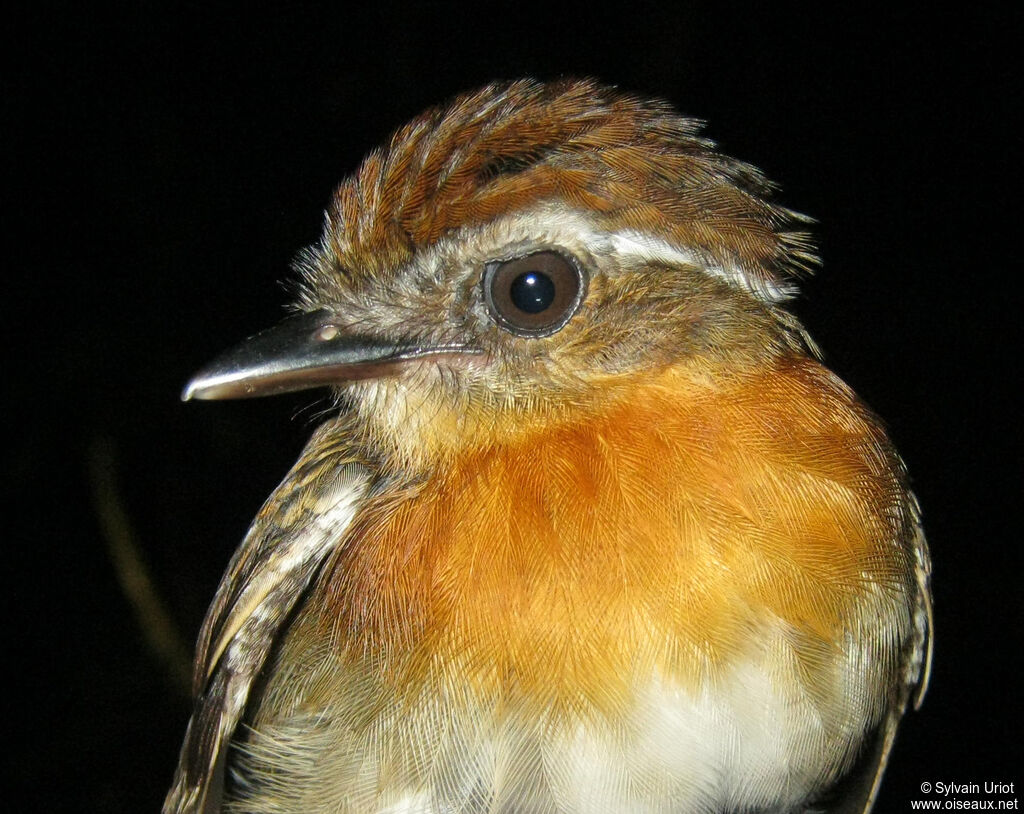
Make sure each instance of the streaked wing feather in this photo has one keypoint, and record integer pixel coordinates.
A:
(860, 788)
(300, 524)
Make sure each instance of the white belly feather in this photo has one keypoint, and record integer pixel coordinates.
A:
(751, 740)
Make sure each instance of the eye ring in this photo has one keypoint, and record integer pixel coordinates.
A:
(536, 294)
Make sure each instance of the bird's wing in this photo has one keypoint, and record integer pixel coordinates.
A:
(860, 788)
(300, 524)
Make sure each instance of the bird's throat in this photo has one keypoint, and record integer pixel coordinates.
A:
(650, 537)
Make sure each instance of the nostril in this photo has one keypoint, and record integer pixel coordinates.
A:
(327, 333)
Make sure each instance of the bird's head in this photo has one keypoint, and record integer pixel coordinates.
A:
(521, 255)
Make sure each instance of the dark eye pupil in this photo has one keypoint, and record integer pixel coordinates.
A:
(535, 294)
(532, 292)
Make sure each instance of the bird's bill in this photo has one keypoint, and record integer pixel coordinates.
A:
(302, 352)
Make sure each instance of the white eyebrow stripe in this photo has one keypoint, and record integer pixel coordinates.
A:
(640, 245)
(551, 225)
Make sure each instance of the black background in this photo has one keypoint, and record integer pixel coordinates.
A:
(166, 162)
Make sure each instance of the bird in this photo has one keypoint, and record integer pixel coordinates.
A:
(589, 525)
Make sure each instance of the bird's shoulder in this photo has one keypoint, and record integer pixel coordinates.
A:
(293, 534)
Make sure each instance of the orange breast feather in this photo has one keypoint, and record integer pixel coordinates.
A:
(652, 535)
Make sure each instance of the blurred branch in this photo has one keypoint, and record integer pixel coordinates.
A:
(161, 634)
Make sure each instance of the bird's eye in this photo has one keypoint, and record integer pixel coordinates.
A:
(534, 295)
